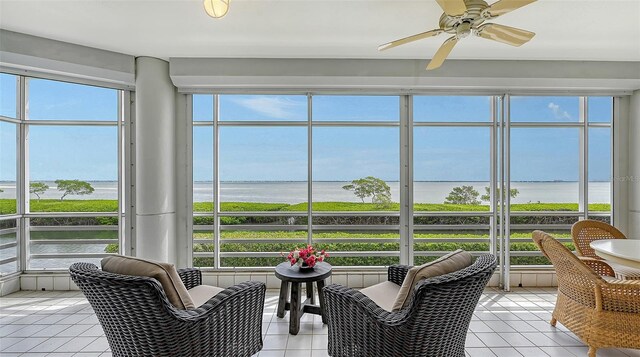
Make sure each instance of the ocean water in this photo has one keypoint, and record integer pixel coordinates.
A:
(296, 192)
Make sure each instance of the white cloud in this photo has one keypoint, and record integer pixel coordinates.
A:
(558, 112)
(273, 107)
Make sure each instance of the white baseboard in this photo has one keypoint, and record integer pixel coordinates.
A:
(9, 285)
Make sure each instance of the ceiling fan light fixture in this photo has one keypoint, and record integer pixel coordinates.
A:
(216, 8)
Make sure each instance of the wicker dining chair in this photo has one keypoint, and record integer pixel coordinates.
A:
(586, 231)
(601, 312)
(139, 320)
(433, 323)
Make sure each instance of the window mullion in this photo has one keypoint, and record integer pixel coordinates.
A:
(406, 180)
(216, 182)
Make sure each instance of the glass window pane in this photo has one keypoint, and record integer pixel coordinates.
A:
(452, 168)
(451, 108)
(84, 158)
(356, 169)
(202, 107)
(263, 108)
(356, 108)
(545, 169)
(203, 168)
(448, 159)
(600, 109)
(8, 168)
(8, 95)
(600, 169)
(53, 100)
(9, 243)
(545, 109)
(69, 236)
(262, 167)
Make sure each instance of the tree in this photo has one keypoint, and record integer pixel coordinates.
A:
(38, 188)
(74, 187)
(373, 187)
(487, 196)
(464, 195)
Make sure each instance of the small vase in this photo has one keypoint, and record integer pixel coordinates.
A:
(305, 267)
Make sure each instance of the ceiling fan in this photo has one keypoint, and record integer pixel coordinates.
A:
(463, 17)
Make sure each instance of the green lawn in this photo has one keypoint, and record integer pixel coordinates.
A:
(8, 206)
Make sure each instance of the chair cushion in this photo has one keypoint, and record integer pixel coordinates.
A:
(202, 293)
(165, 273)
(383, 294)
(446, 264)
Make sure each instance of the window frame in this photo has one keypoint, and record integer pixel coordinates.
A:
(23, 214)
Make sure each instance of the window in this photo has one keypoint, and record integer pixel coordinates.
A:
(560, 167)
(356, 193)
(53, 100)
(8, 96)
(9, 146)
(270, 174)
(8, 167)
(250, 189)
(451, 175)
(72, 189)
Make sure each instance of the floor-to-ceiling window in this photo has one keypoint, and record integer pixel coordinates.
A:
(276, 171)
(559, 167)
(356, 178)
(452, 174)
(9, 149)
(65, 190)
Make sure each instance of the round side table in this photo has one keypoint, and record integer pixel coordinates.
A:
(291, 277)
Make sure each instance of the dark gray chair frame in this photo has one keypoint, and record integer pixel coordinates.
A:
(434, 323)
(139, 320)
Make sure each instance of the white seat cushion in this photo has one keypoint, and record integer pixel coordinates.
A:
(202, 293)
(383, 294)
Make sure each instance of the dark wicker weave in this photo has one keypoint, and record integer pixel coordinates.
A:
(139, 320)
(434, 323)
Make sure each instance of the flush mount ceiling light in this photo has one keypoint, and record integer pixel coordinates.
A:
(464, 17)
(216, 8)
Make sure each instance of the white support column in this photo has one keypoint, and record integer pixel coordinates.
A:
(184, 180)
(155, 161)
(633, 179)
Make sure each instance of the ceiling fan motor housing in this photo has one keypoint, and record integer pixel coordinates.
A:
(462, 25)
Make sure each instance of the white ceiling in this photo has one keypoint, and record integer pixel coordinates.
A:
(566, 29)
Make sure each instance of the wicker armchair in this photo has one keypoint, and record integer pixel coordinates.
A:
(434, 323)
(601, 312)
(139, 320)
(586, 231)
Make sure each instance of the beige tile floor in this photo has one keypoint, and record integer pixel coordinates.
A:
(504, 324)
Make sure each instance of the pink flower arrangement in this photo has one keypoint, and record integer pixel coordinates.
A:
(306, 256)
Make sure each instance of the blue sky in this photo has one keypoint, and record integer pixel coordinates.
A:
(339, 153)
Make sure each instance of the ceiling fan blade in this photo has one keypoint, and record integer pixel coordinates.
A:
(504, 6)
(442, 53)
(402, 41)
(453, 7)
(505, 34)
